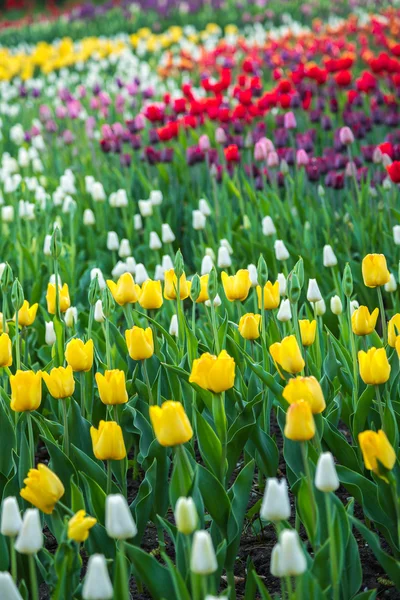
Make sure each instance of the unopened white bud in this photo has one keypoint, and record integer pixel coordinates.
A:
(137, 222)
(145, 208)
(30, 536)
(396, 234)
(10, 517)
(97, 272)
(120, 524)
(141, 274)
(313, 293)
(284, 312)
(198, 220)
(88, 217)
(292, 559)
(50, 336)
(353, 306)
(320, 307)
(130, 264)
(206, 265)
(167, 235)
(47, 245)
(282, 284)
(119, 269)
(8, 589)
(281, 251)
(275, 505)
(124, 249)
(274, 565)
(97, 191)
(224, 260)
(326, 479)
(155, 242)
(173, 328)
(217, 302)
(329, 257)
(97, 584)
(156, 197)
(336, 305)
(391, 285)
(252, 269)
(7, 214)
(186, 518)
(71, 316)
(268, 227)
(159, 273)
(203, 560)
(98, 312)
(112, 241)
(204, 207)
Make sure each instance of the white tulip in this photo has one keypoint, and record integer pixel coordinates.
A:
(112, 241)
(329, 257)
(97, 584)
(159, 273)
(252, 269)
(141, 274)
(353, 306)
(204, 207)
(88, 217)
(275, 562)
(203, 560)
(97, 192)
(98, 312)
(47, 245)
(313, 293)
(268, 227)
(225, 244)
(217, 301)
(173, 328)
(130, 264)
(7, 214)
(167, 235)
(320, 307)
(119, 269)
(198, 220)
(224, 260)
(156, 197)
(71, 316)
(50, 336)
(124, 248)
(100, 277)
(292, 561)
(167, 263)
(326, 479)
(396, 234)
(145, 208)
(284, 312)
(186, 518)
(275, 505)
(282, 284)
(30, 536)
(206, 265)
(120, 524)
(154, 242)
(137, 222)
(391, 285)
(336, 305)
(8, 589)
(281, 251)
(10, 517)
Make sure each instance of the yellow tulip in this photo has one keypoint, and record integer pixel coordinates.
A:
(171, 286)
(27, 314)
(26, 390)
(214, 373)
(43, 489)
(112, 388)
(140, 343)
(362, 322)
(60, 382)
(79, 525)
(376, 447)
(249, 326)
(305, 388)
(393, 330)
(374, 270)
(236, 287)
(271, 295)
(374, 366)
(5, 350)
(300, 425)
(125, 291)
(203, 296)
(170, 423)
(65, 301)
(397, 346)
(287, 354)
(307, 331)
(108, 442)
(79, 355)
(150, 295)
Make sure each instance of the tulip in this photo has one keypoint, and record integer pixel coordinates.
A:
(268, 227)
(275, 505)
(374, 270)
(79, 355)
(326, 479)
(171, 286)
(140, 343)
(50, 335)
(285, 312)
(224, 260)
(214, 373)
(300, 425)
(292, 561)
(124, 248)
(274, 567)
(362, 322)
(207, 264)
(26, 390)
(346, 136)
(374, 366)
(98, 312)
(97, 584)
(167, 235)
(203, 296)
(43, 488)
(236, 287)
(396, 234)
(393, 330)
(79, 525)
(203, 560)
(5, 350)
(112, 241)
(307, 331)
(108, 442)
(120, 524)
(27, 314)
(320, 308)
(8, 589)
(150, 295)
(10, 517)
(170, 423)
(271, 295)
(30, 537)
(377, 450)
(71, 316)
(112, 388)
(336, 305)
(305, 388)
(313, 293)
(64, 298)
(60, 382)
(125, 291)
(249, 326)
(186, 517)
(329, 257)
(287, 355)
(282, 284)
(252, 269)
(281, 252)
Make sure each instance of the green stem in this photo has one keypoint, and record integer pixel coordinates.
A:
(124, 588)
(67, 510)
(354, 356)
(17, 347)
(146, 377)
(214, 326)
(13, 559)
(231, 582)
(332, 544)
(380, 406)
(219, 415)
(31, 440)
(303, 446)
(65, 420)
(108, 344)
(109, 477)
(83, 393)
(393, 487)
(33, 578)
(383, 316)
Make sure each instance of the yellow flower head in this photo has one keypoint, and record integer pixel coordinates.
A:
(249, 326)
(5, 350)
(287, 355)
(27, 314)
(203, 296)
(171, 286)
(300, 425)
(60, 382)
(214, 373)
(140, 343)
(79, 525)
(108, 442)
(236, 287)
(393, 330)
(170, 423)
(150, 295)
(65, 301)
(308, 389)
(376, 447)
(79, 355)
(271, 295)
(125, 291)
(112, 388)
(26, 390)
(362, 322)
(374, 270)
(307, 331)
(374, 366)
(43, 489)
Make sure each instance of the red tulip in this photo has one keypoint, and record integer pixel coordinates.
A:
(394, 171)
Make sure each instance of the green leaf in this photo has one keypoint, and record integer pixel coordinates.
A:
(209, 444)
(156, 578)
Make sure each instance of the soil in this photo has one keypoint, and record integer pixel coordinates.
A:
(253, 545)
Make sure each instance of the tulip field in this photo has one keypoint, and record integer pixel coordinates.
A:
(200, 301)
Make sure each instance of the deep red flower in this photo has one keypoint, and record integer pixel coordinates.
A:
(232, 153)
(393, 171)
(343, 78)
(387, 148)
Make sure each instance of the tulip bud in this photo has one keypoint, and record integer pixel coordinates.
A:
(47, 245)
(292, 559)
(275, 505)
(124, 248)
(30, 536)
(8, 589)
(282, 284)
(10, 517)
(353, 306)
(195, 288)
(154, 242)
(294, 288)
(336, 305)
(108, 302)
(88, 217)
(167, 235)
(97, 273)
(141, 274)
(320, 308)
(71, 316)
(50, 336)
(274, 565)
(212, 285)
(391, 285)
(156, 197)
(97, 584)
(268, 227)
(98, 312)
(216, 302)
(346, 136)
(284, 312)
(120, 524)
(6, 279)
(173, 327)
(94, 290)
(186, 518)
(262, 272)
(329, 257)
(326, 479)
(203, 560)
(313, 293)
(281, 251)
(112, 241)
(17, 295)
(347, 281)
(179, 266)
(396, 235)
(252, 269)
(159, 273)
(204, 207)
(377, 156)
(206, 265)
(198, 220)
(137, 222)
(224, 260)
(284, 167)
